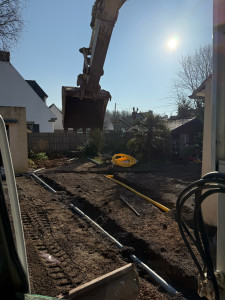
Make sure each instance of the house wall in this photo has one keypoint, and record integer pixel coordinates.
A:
(15, 91)
(207, 132)
(184, 137)
(17, 137)
(58, 123)
(210, 205)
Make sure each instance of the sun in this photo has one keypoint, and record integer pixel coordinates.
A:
(173, 43)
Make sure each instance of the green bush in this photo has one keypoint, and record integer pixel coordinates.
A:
(37, 156)
(95, 143)
(151, 140)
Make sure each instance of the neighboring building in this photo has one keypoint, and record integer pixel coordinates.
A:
(15, 121)
(17, 92)
(36, 87)
(183, 136)
(58, 114)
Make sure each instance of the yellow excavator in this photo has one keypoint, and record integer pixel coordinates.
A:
(84, 106)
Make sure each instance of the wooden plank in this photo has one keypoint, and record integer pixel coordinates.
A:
(119, 284)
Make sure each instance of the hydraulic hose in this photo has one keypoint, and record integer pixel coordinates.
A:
(211, 183)
(164, 208)
(154, 275)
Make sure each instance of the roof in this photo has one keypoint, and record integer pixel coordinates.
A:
(174, 124)
(53, 105)
(9, 121)
(36, 87)
(199, 93)
(18, 93)
(181, 125)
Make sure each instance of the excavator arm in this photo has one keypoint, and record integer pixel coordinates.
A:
(85, 106)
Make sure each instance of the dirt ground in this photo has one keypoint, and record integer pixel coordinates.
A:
(65, 251)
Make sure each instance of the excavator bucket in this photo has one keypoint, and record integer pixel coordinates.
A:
(84, 112)
(120, 284)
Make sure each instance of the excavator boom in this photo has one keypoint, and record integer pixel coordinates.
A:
(85, 106)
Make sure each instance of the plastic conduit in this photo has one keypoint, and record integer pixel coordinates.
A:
(94, 161)
(154, 275)
(164, 208)
(41, 181)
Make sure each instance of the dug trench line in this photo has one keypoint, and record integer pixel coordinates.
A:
(183, 282)
(135, 259)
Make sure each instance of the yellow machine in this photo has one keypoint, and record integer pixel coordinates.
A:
(84, 106)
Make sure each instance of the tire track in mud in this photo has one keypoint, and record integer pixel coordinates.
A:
(51, 228)
(38, 228)
(183, 283)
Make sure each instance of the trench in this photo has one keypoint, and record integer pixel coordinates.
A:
(151, 193)
(185, 284)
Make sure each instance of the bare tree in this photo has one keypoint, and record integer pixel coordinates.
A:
(194, 69)
(119, 119)
(11, 22)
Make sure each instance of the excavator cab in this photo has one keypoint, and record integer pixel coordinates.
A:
(84, 106)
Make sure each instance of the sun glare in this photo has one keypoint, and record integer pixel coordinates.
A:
(172, 43)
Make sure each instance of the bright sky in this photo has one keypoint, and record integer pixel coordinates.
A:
(143, 57)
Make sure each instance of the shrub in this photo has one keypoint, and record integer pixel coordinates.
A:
(95, 143)
(37, 156)
(151, 140)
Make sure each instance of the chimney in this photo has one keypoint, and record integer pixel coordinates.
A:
(4, 56)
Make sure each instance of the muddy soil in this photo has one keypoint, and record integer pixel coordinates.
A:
(79, 252)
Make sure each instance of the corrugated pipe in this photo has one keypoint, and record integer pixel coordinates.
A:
(156, 277)
(42, 182)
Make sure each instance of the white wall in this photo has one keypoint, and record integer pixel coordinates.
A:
(58, 123)
(15, 91)
(17, 137)
(210, 205)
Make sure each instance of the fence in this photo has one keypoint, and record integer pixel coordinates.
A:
(55, 142)
(63, 142)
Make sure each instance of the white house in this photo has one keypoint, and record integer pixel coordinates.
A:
(16, 92)
(57, 112)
